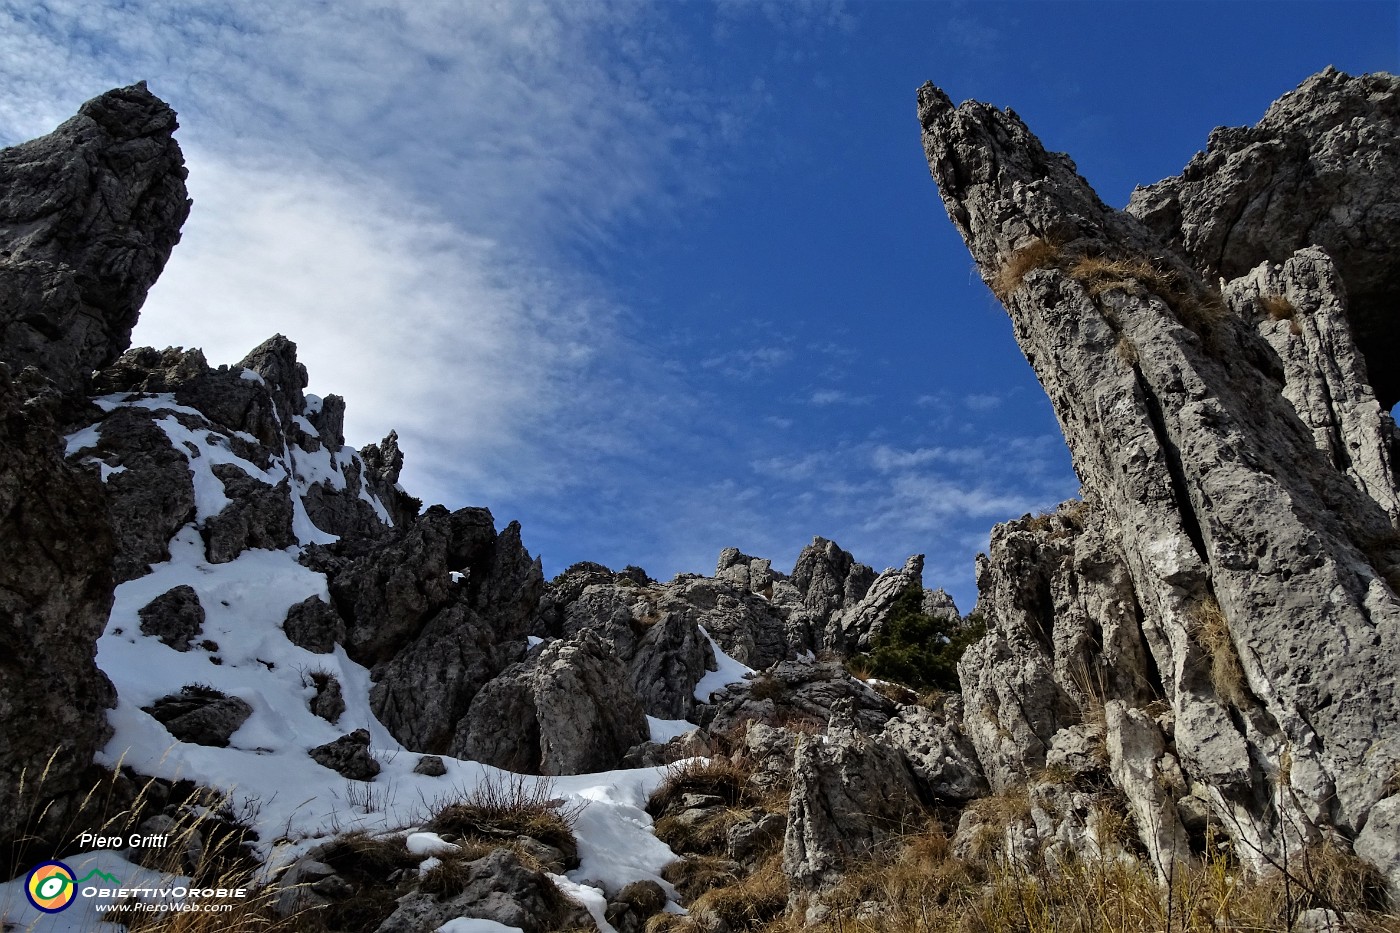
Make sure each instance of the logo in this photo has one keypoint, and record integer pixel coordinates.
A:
(51, 887)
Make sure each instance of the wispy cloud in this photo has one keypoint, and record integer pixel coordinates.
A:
(750, 363)
(825, 397)
(399, 186)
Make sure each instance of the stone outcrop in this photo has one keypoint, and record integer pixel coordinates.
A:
(349, 756)
(55, 592)
(88, 217)
(175, 617)
(850, 796)
(1320, 169)
(201, 715)
(435, 612)
(1237, 539)
(496, 887)
(567, 709)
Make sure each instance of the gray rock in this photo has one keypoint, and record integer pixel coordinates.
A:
(1136, 749)
(566, 710)
(1299, 308)
(200, 715)
(313, 625)
(1063, 634)
(692, 744)
(382, 463)
(88, 217)
(56, 553)
(1379, 843)
(175, 617)
(855, 629)
(750, 839)
(634, 905)
(1320, 169)
(497, 887)
(753, 574)
(436, 609)
(329, 702)
(938, 603)
(799, 692)
(770, 750)
(851, 795)
(430, 766)
(1231, 522)
(348, 756)
(938, 754)
(825, 579)
(149, 501)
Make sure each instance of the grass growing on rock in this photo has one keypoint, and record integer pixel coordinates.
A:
(1037, 254)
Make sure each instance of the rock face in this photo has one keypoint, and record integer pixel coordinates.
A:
(435, 611)
(565, 710)
(850, 795)
(55, 593)
(1320, 169)
(1241, 538)
(88, 217)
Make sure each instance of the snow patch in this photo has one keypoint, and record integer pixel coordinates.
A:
(473, 925)
(730, 672)
(253, 376)
(664, 730)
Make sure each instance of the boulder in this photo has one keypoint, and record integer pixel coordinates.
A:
(851, 795)
(348, 756)
(496, 887)
(175, 617)
(566, 710)
(200, 715)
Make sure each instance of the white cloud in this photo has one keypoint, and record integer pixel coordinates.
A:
(838, 397)
(446, 337)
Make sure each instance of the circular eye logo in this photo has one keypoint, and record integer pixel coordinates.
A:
(51, 887)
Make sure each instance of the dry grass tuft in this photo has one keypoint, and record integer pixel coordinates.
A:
(497, 811)
(1277, 307)
(1100, 274)
(696, 874)
(1211, 630)
(1037, 254)
(748, 905)
(719, 777)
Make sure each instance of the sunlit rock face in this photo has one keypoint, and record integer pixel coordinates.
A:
(1200, 352)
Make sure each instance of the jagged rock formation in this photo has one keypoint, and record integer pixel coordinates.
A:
(850, 795)
(565, 710)
(1320, 169)
(88, 216)
(1233, 524)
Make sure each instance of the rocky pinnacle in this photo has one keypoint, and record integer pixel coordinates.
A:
(88, 217)
(1263, 571)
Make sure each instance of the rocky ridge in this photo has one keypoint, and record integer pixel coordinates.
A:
(1143, 659)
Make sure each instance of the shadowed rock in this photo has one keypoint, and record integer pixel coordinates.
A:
(88, 217)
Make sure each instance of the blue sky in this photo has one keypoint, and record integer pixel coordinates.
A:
(655, 278)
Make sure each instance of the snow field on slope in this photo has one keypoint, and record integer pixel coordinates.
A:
(290, 800)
